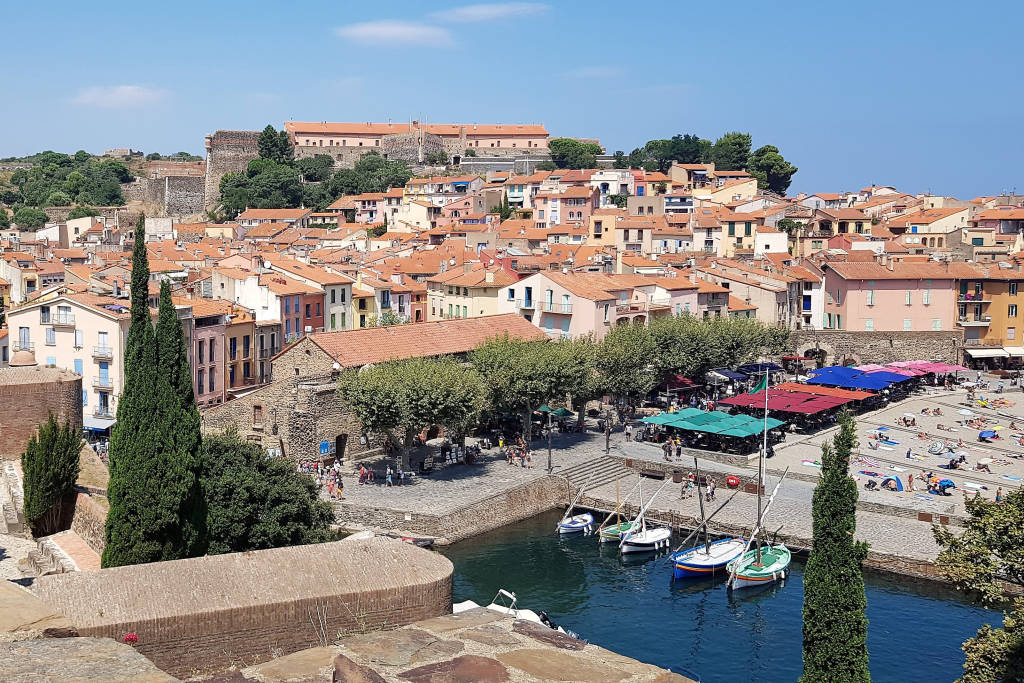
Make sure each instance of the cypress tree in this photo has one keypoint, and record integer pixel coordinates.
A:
(177, 423)
(835, 624)
(50, 468)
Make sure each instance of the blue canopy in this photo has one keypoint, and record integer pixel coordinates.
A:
(889, 376)
(852, 382)
(754, 368)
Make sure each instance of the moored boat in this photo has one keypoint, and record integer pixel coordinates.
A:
(614, 533)
(760, 566)
(583, 522)
(646, 540)
(704, 561)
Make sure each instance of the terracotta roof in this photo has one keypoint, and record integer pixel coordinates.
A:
(928, 216)
(280, 284)
(314, 273)
(1006, 214)
(845, 214)
(737, 304)
(355, 348)
(267, 230)
(901, 271)
(274, 214)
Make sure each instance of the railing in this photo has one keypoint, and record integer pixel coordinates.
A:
(23, 346)
(269, 352)
(977, 320)
(62, 319)
(557, 334)
(103, 382)
(243, 382)
(524, 303)
(975, 297)
(552, 307)
(102, 352)
(103, 412)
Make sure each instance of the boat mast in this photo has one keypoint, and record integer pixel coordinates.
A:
(700, 498)
(760, 459)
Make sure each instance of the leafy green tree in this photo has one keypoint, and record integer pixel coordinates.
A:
(50, 468)
(407, 396)
(469, 152)
(504, 210)
(436, 158)
(29, 218)
(5, 220)
(153, 156)
(731, 151)
(547, 165)
(385, 319)
(788, 225)
(234, 193)
(523, 375)
(620, 160)
(277, 187)
(571, 153)
(771, 170)
(686, 149)
(315, 169)
(989, 552)
(255, 502)
(81, 211)
(372, 173)
(623, 362)
(81, 156)
(835, 622)
(619, 200)
(58, 198)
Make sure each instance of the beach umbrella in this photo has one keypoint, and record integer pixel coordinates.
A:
(946, 482)
(965, 412)
(988, 433)
(543, 409)
(563, 412)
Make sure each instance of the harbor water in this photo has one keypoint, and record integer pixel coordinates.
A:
(697, 628)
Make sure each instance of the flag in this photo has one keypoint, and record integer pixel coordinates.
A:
(761, 385)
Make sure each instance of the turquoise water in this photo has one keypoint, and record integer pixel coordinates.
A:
(697, 628)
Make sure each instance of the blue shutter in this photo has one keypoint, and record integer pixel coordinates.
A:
(78, 366)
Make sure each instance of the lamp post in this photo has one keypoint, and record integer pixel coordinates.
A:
(607, 430)
(549, 441)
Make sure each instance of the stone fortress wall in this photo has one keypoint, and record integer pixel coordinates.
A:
(841, 346)
(227, 151)
(29, 395)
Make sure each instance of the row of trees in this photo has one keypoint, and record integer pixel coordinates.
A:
(508, 376)
(731, 152)
(171, 495)
(62, 180)
(571, 153)
(277, 180)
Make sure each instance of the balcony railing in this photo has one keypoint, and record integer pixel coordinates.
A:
(977, 321)
(23, 346)
(103, 352)
(269, 352)
(524, 303)
(973, 297)
(553, 307)
(104, 412)
(103, 382)
(243, 383)
(62, 319)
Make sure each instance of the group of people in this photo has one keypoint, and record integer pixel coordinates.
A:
(391, 476)
(327, 477)
(690, 485)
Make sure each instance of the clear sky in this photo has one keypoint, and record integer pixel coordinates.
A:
(920, 95)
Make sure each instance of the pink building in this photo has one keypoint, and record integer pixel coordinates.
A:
(571, 205)
(890, 296)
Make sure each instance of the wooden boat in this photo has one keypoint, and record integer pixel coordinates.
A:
(612, 533)
(511, 610)
(574, 524)
(646, 539)
(707, 559)
(761, 566)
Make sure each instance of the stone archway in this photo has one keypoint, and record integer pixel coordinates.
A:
(821, 352)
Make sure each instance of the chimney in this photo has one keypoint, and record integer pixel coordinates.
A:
(489, 277)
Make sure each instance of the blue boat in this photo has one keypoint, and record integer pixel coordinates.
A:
(705, 560)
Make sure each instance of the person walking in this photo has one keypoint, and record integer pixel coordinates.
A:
(999, 494)
(388, 482)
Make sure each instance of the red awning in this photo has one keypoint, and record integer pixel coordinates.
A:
(852, 394)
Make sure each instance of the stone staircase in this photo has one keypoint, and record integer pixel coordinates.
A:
(598, 472)
(47, 558)
(12, 501)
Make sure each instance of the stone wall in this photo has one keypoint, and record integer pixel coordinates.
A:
(208, 613)
(227, 151)
(28, 395)
(89, 521)
(840, 346)
(183, 195)
(59, 214)
(521, 165)
(295, 415)
(522, 502)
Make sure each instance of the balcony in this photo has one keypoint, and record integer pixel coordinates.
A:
(552, 307)
(22, 346)
(102, 353)
(557, 334)
(103, 412)
(103, 382)
(524, 304)
(979, 321)
(973, 298)
(266, 353)
(242, 383)
(62, 319)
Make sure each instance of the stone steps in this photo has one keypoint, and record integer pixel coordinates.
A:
(12, 502)
(46, 559)
(596, 472)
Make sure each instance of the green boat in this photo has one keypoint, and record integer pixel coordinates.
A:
(612, 534)
(747, 572)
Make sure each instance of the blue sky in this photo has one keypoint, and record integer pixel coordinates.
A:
(924, 96)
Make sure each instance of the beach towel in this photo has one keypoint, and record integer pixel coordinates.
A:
(869, 473)
(809, 463)
(921, 495)
(885, 448)
(972, 485)
(1011, 477)
(897, 469)
(890, 442)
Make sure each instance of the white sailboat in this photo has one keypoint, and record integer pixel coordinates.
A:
(574, 524)
(705, 560)
(612, 533)
(647, 539)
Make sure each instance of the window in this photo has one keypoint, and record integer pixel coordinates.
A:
(307, 310)
(85, 397)
(732, 228)
(869, 324)
(102, 338)
(334, 295)
(213, 355)
(1012, 311)
(78, 366)
(511, 293)
(51, 336)
(342, 321)
(287, 327)
(936, 324)
(907, 324)
(333, 326)
(1011, 332)
(245, 346)
(908, 298)
(51, 361)
(746, 229)
(870, 297)
(1013, 289)
(926, 297)
(449, 310)
(79, 339)
(287, 305)
(606, 308)
(318, 309)
(213, 383)
(257, 415)
(199, 381)
(200, 352)
(233, 347)
(464, 312)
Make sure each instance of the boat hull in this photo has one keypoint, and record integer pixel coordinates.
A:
(774, 567)
(646, 541)
(695, 563)
(576, 524)
(613, 534)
